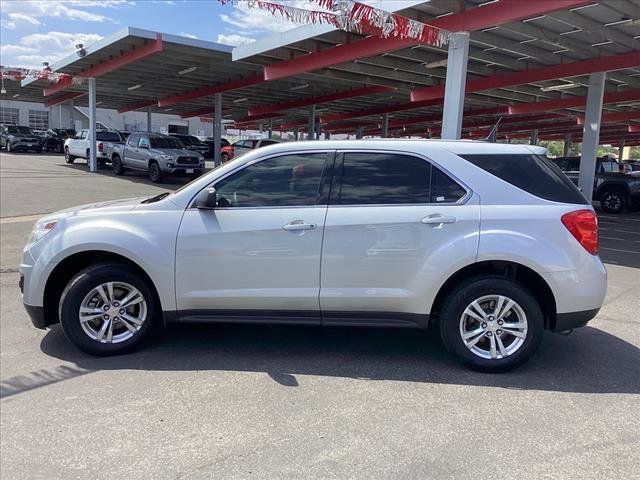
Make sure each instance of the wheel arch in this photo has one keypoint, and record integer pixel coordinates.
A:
(508, 269)
(612, 186)
(71, 265)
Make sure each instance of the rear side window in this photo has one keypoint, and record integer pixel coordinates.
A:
(108, 137)
(444, 189)
(384, 178)
(534, 174)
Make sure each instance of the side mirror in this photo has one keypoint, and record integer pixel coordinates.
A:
(145, 146)
(206, 199)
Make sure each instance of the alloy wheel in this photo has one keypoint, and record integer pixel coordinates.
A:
(493, 327)
(113, 312)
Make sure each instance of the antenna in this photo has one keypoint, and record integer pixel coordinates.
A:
(493, 134)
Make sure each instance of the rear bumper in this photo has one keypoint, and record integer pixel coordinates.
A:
(571, 320)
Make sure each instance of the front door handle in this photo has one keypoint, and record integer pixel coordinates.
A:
(437, 220)
(299, 226)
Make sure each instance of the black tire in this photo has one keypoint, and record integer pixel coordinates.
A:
(224, 158)
(155, 174)
(80, 286)
(8, 147)
(462, 296)
(116, 163)
(67, 157)
(613, 201)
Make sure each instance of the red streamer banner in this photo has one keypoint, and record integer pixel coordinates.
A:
(17, 74)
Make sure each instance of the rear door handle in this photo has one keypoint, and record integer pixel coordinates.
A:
(437, 220)
(299, 226)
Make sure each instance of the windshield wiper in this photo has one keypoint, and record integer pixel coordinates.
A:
(156, 198)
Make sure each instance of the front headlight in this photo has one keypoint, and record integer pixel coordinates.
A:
(40, 229)
(166, 157)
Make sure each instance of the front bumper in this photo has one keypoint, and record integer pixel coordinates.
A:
(17, 146)
(35, 313)
(571, 320)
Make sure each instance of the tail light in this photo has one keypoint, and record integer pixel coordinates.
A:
(583, 225)
(101, 147)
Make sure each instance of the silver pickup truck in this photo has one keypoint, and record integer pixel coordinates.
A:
(156, 154)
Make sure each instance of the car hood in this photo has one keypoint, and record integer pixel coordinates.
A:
(174, 152)
(99, 208)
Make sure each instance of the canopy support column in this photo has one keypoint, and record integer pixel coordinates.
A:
(454, 86)
(567, 145)
(591, 134)
(534, 137)
(217, 129)
(93, 161)
(148, 119)
(270, 130)
(385, 125)
(311, 133)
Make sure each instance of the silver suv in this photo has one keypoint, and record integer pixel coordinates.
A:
(490, 242)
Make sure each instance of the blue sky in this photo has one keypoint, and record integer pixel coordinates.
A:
(33, 31)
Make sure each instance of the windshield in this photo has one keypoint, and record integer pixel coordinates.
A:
(108, 137)
(194, 140)
(165, 142)
(19, 130)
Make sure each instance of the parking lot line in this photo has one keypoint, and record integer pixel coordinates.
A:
(23, 218)
(619, 250)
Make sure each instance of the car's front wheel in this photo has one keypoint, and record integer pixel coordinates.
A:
(107, 309)
(8, 146)
(613, 201)
(117, 166)
(491, 323)
(155, 174)
(68, 158)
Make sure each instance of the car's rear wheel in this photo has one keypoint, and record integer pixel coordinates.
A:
(224, 158)
(68, 158)
(8, 146)
(155, 174)
(491, 323)
(613, 201)
(107, 309)
(116, 163)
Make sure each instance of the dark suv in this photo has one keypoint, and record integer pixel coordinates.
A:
(15, 138)
(614, 189)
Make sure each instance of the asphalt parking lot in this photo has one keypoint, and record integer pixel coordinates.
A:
(292, 402)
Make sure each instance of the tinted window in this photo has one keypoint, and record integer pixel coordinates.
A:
(383, 178)
(108, 137)
(534, 174)
(568, 164)
(609, 166)
(289, 180)
(444, 189)
(264, 143)
(143, 142)
(132, 141)
(165, 142)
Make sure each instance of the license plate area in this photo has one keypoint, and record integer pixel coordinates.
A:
(189, 170)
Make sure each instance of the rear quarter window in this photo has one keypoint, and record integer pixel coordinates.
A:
(535, 174)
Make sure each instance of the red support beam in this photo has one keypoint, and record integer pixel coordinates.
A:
(572, 102)
(357, 92)
(614, 117)
(491, 15)
(137, 106)
(562, 70)
(63, 98)
(378, 111)
(635, 128)
(138, 53)
(210, 90)
(198, 113)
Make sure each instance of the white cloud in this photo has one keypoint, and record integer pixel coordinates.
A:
(31, 11)
(188, 35)
(15, 18)
(36, 48)
(254, 20)
(234, 39)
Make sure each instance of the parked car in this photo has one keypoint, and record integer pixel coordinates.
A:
(613, 189)
(630, 167)
(54, 138)
(226, 150)
(156, 154)
(243, 146)
(78, 146)
(16, 138)
(489, 241)
(124, 134)
(192, 143)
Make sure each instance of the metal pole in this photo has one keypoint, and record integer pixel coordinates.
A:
(534, 137)
(93, 161)
(385, 125)
(359, 133)
(217, 128)
(312, 123)
(148, 119)
(591, 134)
(270, 132)
(296, 133)
(567, 145)
(454, 86)
(621, 150)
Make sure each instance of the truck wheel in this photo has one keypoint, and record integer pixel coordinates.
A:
(8, 146)
(491, 323)
(224, 158)
(107, 309)
(118, 168)
(155, 174)
(613, 201)
(68, 158)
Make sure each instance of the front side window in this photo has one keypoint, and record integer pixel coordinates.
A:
(287, 180)
(383, 178)
(132, 141)
(143, 142)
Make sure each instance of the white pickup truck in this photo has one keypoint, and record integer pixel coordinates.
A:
(78, 146)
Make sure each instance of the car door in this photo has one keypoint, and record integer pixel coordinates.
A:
(143, 155)
(258, 251)
(131, 152)
(393, 223)
(78, 147)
